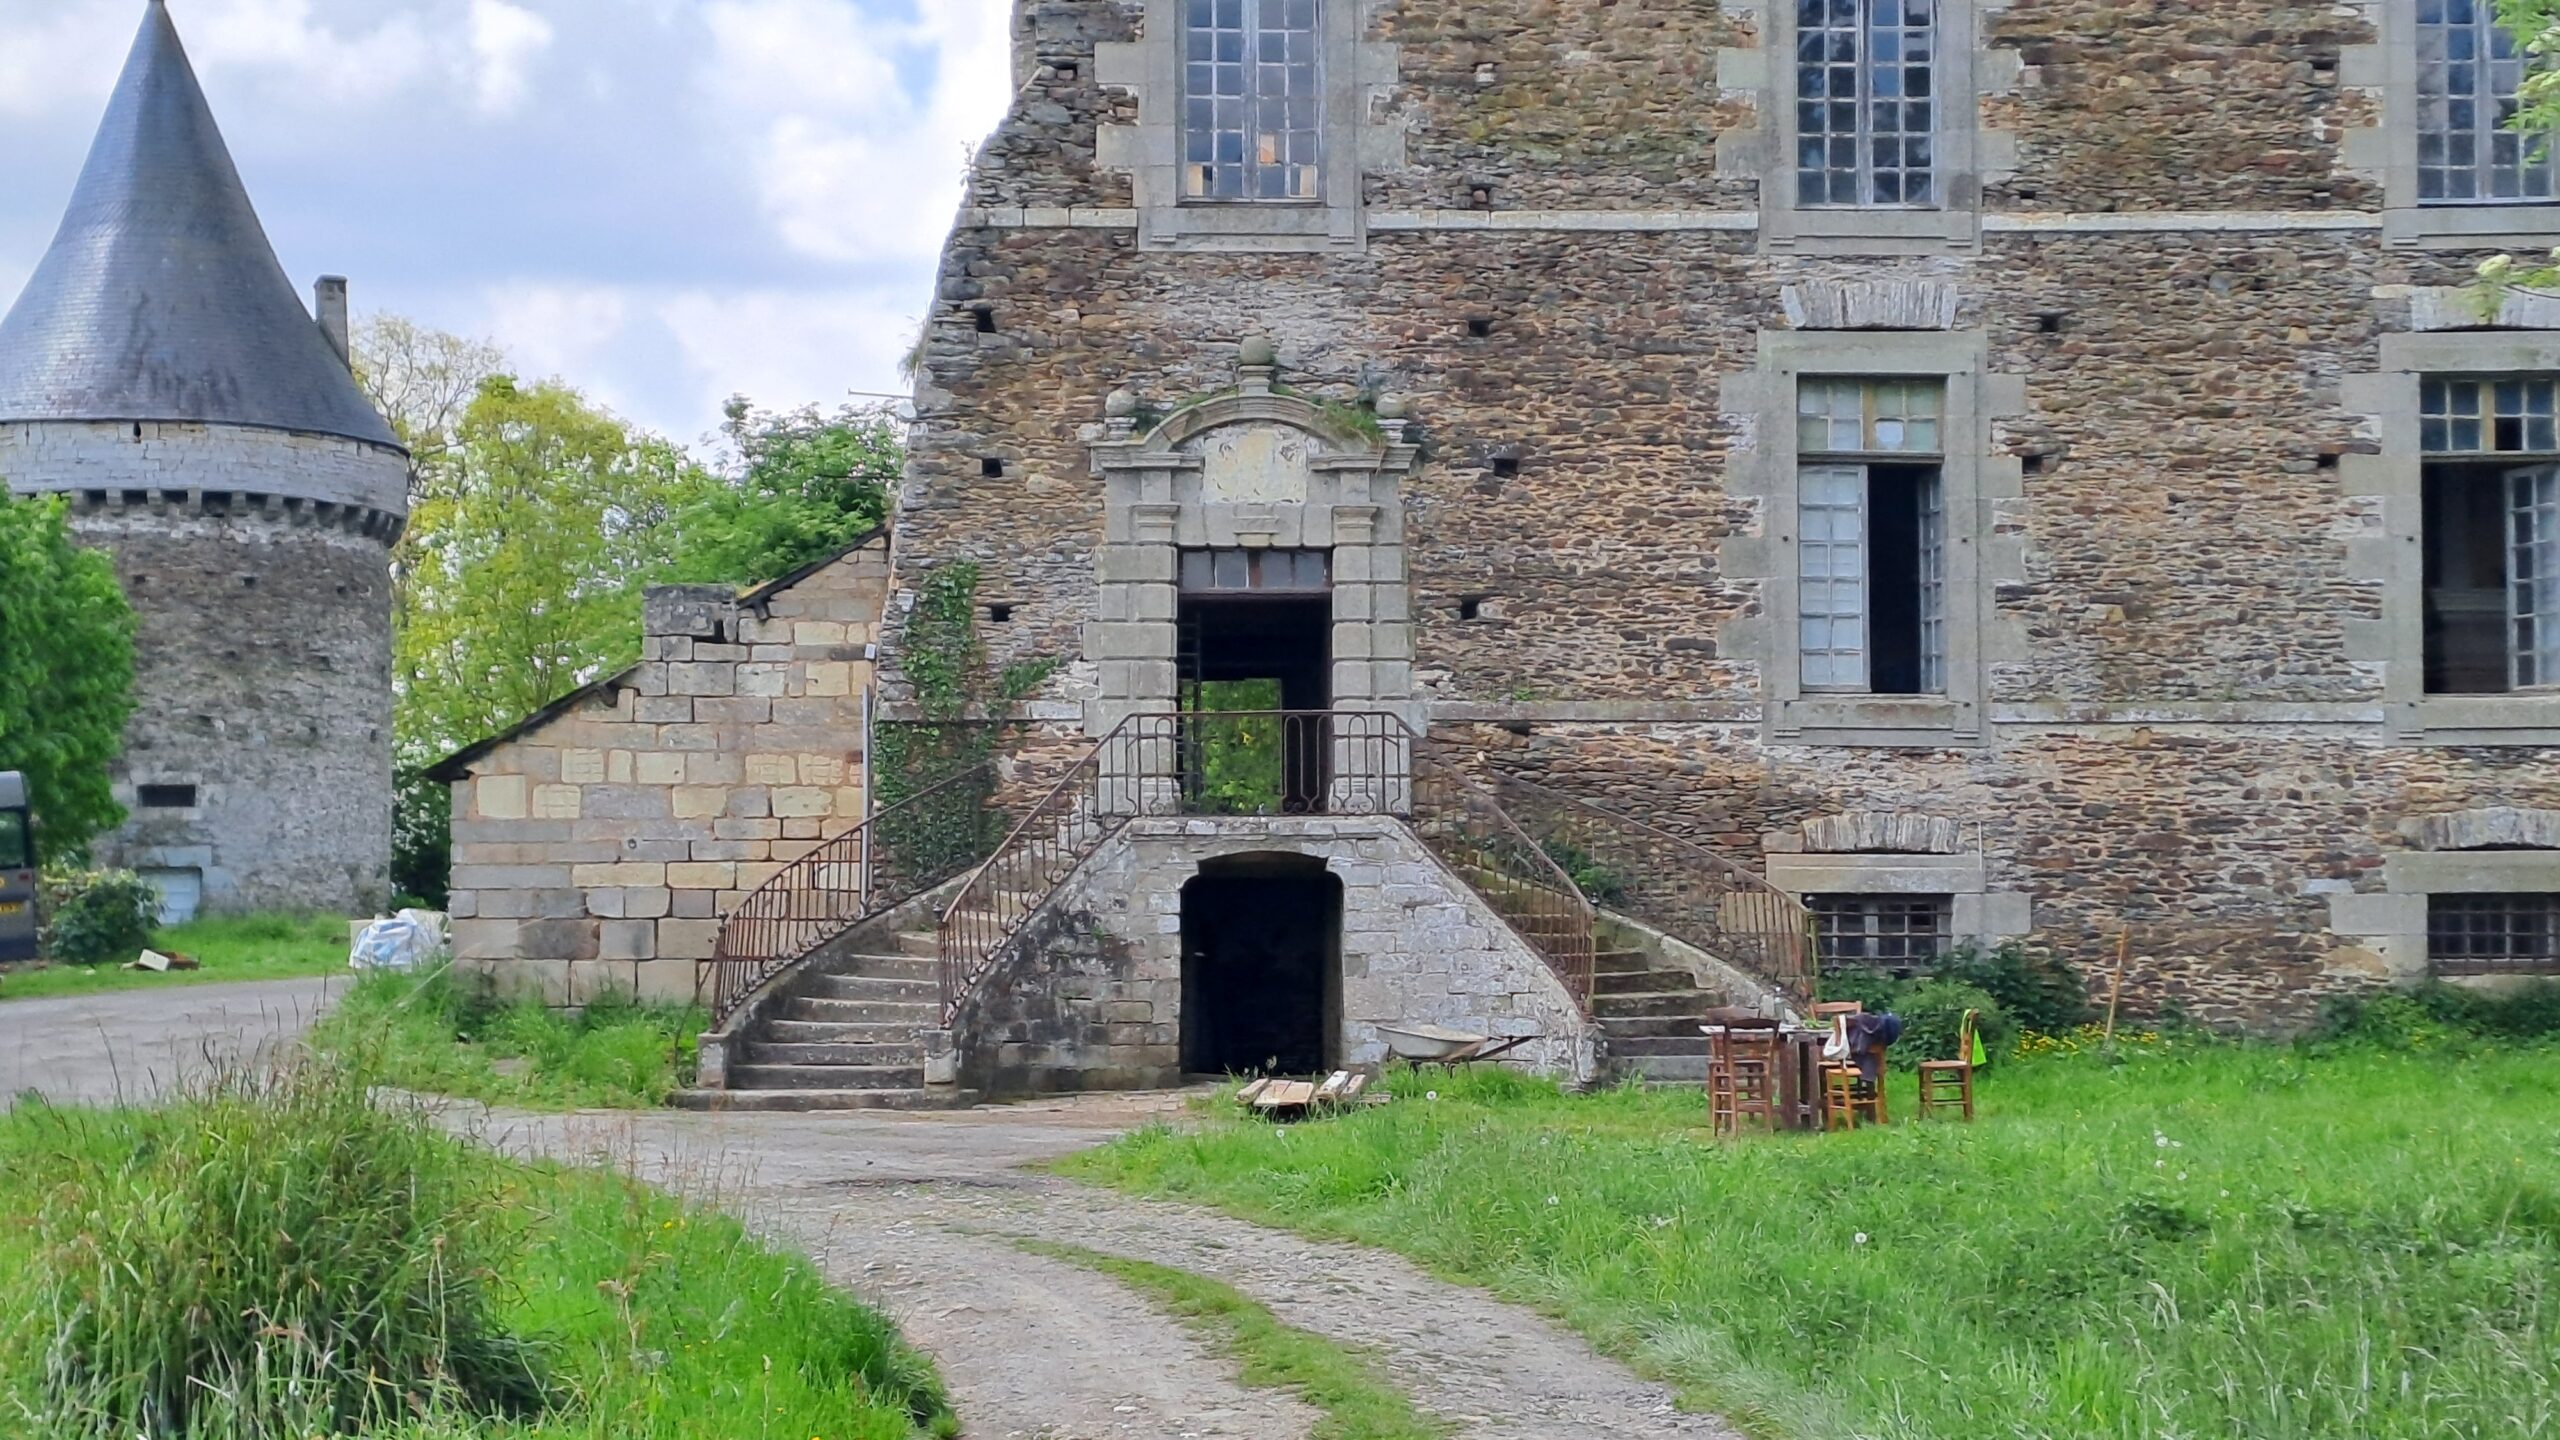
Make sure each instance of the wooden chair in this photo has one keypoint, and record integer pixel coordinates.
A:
(1839, 1097)
(1744, 1087)
(1950, 1082)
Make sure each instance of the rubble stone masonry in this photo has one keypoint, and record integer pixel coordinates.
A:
(2187, 726)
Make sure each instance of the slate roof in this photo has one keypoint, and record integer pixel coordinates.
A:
(161, 298)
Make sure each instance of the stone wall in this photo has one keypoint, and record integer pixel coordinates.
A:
(596, 848)
(2181, 269)
(1097, 1003)
(257, 563)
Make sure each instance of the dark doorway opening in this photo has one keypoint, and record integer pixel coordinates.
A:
(1261, 966)
(1255, 636)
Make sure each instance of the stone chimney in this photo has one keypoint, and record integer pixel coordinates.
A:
(329, 303)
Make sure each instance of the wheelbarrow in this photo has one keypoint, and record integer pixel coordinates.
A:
(1418, 1045)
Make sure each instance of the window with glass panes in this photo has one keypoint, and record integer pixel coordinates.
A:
(1866, 102)
(2469, 68)
(1250, 100)
(1871, 594)
(1885, 932)
(2493, 934)
(2489, 517)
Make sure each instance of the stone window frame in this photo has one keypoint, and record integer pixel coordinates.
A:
(2389, 151)
(2384, 934)
(2390, 554)
(1969, 155)
(1355, 73)
(1973, 474)
(1153, 511)
(1976, 913)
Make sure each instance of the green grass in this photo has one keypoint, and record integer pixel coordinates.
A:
(1357, 1403)
(2205, 1241)
(239, 947)
(444, 1036)
(283, 1231)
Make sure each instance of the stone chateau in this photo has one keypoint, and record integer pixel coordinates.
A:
(160, 371)
(1528, 513)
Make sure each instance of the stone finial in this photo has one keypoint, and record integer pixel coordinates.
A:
(1393, 407)
(1257, 350)
(1120, 413)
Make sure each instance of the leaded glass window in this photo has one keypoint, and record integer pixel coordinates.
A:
(1250, 100)
(1866, 102)
(2469, 68)
(2487, 415)
(1871, 592)
(2533, 576)
(1889, 932)
(1831, 576)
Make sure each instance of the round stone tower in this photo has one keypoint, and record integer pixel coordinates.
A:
(161, 372)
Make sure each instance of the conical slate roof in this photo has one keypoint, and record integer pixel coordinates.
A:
(161, 298)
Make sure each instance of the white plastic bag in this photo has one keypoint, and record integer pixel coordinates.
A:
(399, 943)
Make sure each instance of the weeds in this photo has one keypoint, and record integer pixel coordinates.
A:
(451, 1036)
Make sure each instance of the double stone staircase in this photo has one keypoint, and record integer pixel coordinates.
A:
(845, 1033)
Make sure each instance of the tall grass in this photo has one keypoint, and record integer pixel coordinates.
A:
(449, 1036)
(2206, 1241)
(275, 1259)
(227, 948)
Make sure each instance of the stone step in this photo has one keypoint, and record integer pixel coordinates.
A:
(920, 1014)
(1655, 1002)
(822, 1032)
(868, 987)
(1663, 1069)
(1610, 962)
(893, 1054)
(803, 1100)
(925, 943)
(1623, 1046)
(827, 1077)
(1638, 1027)
(1643, 982)
(886, 967)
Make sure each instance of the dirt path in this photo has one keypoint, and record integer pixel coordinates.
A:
(917, 1212)
(140, 1044)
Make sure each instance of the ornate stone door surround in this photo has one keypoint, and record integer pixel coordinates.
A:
(1250, 468)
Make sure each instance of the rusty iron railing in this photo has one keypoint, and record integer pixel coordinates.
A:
(1467, 827)
(1674, 885)
(1308, 762)
(897, 854)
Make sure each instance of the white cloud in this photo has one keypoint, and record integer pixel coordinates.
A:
(69, 56)
(791, 348)
(850, 165)
(282, 37)
(506, 40)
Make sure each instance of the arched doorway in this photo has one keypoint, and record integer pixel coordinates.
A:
(1261, 966)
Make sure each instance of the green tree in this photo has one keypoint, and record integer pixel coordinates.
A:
(66, 673)
(520, 578)
(2536, 26)
(806, 485)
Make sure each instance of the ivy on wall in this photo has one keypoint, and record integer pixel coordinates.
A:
(963, 707)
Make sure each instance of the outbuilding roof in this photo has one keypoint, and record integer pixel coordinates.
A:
(161, 298)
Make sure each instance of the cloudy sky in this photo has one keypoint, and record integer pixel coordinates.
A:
(662, 201)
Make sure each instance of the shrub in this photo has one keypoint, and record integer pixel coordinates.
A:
(2040, 991)
(275, 1257)
(1933, 1017)
(2437, 1014)
(1873, 990)
(96, 916)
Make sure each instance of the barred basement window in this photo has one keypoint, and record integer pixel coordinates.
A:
(2469, 68)
(1882, 932)
(2515, 934)
(1865, 102)
(2489, 530)
(1871, 569)
(165, 797)
(1250, 100)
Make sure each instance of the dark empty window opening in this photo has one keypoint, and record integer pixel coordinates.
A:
(1253, 635)
(986, 317)
(137, 497)
(999, 614)
(2049, 322)
(1479, 326)
(1506, 467)
(165, 797)
(1065, 70)
(1261, 966)
(1896, 933)
(173, 497)
(991, 467)
(94, 498)
(2034, 462)
(1471, 607)
(2325, 460)
(248, 582)
(2509, 934)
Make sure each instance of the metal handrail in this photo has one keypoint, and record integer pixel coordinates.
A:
(1468, 827)
(1678, 887)
(844, 881)
(1330, 762)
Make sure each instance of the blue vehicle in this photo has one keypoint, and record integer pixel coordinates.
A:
(17, 871)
